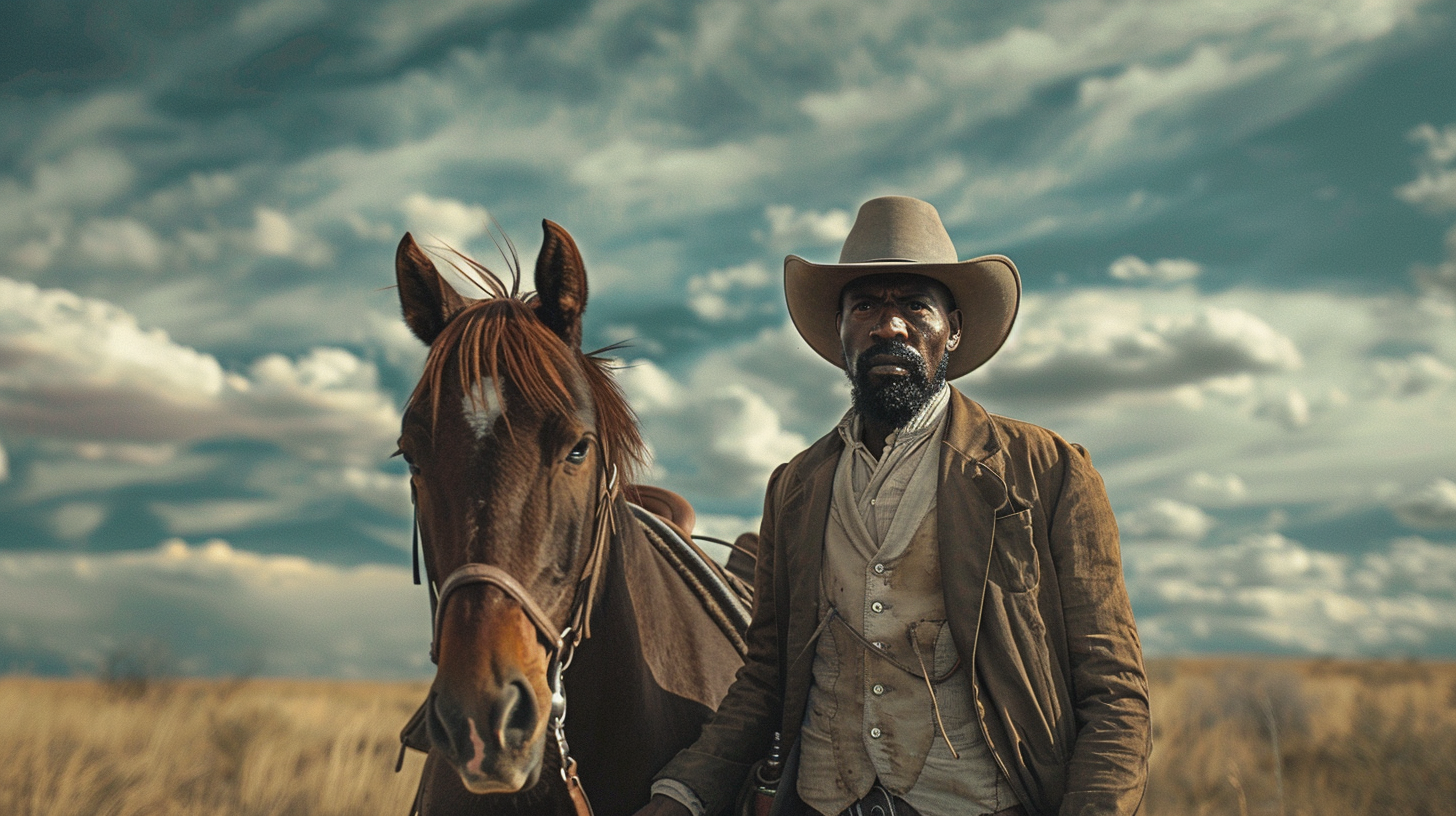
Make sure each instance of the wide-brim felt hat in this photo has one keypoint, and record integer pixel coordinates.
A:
(905, 235)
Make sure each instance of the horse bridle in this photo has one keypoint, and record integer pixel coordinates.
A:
(560, 645)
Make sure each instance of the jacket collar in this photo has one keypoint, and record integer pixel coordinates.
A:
(970, 433)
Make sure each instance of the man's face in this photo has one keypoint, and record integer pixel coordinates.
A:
(896, 330)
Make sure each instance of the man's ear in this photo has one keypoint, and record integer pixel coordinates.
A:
(954, 320)
(427, 299)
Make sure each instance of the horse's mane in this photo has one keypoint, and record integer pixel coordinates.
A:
(502, 335)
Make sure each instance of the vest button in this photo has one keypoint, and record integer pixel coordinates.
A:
(877, 606)
(876, 733)
(879, 644)
(879, 569)
(878, 689)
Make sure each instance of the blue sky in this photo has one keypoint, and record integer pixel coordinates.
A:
(1235, 223)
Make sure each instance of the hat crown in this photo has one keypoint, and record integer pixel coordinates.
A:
(898, 228)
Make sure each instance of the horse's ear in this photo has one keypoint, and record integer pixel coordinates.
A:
(427, 299)
(560, 284)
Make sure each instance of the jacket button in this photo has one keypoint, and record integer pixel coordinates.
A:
(878, 689)
(876, 733)
(877, 606)
(879, 569)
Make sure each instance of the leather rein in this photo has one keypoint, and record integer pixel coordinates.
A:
(560, 644)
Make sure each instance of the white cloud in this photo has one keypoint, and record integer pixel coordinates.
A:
(1433, 506)
(661, 179)
(1164, 270)
(1215, 489)
(209, 602)
(1266, 590)
(121, 242)
(1411, 564)
(716, 438)
(276, 234)
(1092, 342)
(1166, 519)
(1434, 189)
(75, 521)
(1412, 375)
(85, 177)
(789, 228)
(85, 370)
(1117, 103)
(223, 515)
(1290, 409)
(719, 294)
(446, 220)
(888, 100)
(649, 387)
(38, 253)
(130, 454)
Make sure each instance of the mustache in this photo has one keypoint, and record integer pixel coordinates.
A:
(893, 349)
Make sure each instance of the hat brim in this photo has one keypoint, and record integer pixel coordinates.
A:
(987, 290)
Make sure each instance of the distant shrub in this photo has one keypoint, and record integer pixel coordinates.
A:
(134, 669)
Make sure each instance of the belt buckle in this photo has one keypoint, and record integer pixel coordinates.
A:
(878, 802)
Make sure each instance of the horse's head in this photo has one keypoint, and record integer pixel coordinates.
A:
(512, 437)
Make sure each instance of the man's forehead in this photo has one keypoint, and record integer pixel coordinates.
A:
(896, 283)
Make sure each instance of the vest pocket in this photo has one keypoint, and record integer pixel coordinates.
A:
(1015, 566)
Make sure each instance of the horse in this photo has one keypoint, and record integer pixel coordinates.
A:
(519, 445)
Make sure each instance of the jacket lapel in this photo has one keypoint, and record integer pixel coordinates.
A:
(969, 495)
(803, 518)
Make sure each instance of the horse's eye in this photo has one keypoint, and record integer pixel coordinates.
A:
(414, 469)
(578, 453)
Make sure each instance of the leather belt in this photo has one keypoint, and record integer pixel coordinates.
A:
(880, 802)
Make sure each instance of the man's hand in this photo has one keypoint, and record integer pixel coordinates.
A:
(664, 806)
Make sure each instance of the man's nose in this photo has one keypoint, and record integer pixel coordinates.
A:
(891, 326)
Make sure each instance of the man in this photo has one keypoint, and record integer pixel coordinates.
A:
(940, 623)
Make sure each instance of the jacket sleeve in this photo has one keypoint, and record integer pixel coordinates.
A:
(740, 733)
(1108, 770)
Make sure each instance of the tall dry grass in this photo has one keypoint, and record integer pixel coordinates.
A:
(199, 748)
(1234, 737)
(1302, 738)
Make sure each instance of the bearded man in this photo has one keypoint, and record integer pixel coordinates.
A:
(940, 624)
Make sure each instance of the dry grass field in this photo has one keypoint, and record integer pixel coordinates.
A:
(199, 748)
(1235, 737)
(1303, 738)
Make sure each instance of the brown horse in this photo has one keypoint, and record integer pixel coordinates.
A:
(517, 443)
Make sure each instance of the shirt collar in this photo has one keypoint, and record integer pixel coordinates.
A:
(922, 423)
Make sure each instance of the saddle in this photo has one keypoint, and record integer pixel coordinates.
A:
(677, 513)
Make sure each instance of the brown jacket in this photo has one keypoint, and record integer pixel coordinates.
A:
(1034, 591)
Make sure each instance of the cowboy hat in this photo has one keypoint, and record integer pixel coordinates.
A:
(902, 234)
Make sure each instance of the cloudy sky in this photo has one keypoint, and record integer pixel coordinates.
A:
(1235, 222)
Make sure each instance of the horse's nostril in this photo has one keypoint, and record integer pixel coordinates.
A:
(516, 715)
(437, 725)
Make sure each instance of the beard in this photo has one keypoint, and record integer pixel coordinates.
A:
(895, 401)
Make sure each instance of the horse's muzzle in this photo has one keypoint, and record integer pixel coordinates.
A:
(496, 748)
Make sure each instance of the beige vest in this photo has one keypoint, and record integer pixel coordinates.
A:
(868, 718)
